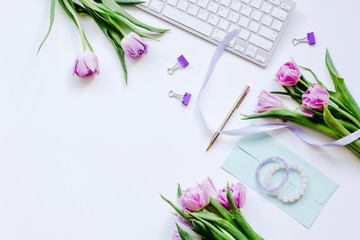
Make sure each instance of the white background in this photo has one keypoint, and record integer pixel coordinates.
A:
(88, 159)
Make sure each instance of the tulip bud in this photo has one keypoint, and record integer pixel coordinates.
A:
(86, 64)
(209, 187)
(134, 46)
(268, 101)
(315, 97)
(238, 193)
(194, 199)
(289, 74)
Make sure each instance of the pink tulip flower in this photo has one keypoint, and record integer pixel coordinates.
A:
(194, 199)
(86, 64)
(289, 74)
(134, 46)
(209, 187)
(268, 101)
(315, 97)
(238, 193)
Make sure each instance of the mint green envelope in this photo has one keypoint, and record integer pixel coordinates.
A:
(252, 149)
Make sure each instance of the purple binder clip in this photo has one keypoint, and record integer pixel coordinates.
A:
(185, 99)
(310, 39)
(182, 60)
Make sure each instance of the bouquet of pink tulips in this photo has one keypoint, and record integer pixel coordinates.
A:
(114, 22)
(212, 214)
(334, 113)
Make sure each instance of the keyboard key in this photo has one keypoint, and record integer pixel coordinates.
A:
(187, 20)
(236, 4)
(244, 34)
(225, 2)
(146, 3)
(256, 3)
(231, 43)
(268, 33)
(280, 14)
(261, 42)
(233, 17)
(232, 27)
(193, 10)
(223, 24)
(244, 22)
(260, 58)
(250, 53)
(275, 2)
(213, 19)
(213, 7)
(156, 5)
(246, 10)
(285, 6)
(246, 1)
(182, 5)
(256, 15)
(254, 27)
(218, 35)
(239, 48)
(203, 14)
(203, 3)
(277, 25)
(252, 48)
(266, 20)
(172, 2)
(223, 12)
(266, 7)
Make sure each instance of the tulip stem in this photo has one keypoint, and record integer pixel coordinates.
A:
(346, 114)
(71, 10)
(303, 83)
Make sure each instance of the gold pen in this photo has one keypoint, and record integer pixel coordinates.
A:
(232, 110)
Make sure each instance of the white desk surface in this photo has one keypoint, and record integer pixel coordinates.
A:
(89, 159)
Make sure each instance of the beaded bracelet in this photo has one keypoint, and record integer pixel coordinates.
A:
(272, 189)
(297, 195)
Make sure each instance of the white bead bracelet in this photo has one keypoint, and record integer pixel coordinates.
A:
(280, 196)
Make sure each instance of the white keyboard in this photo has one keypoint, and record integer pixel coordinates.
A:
(260, 22)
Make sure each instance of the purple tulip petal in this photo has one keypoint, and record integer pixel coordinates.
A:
(86, 64)
(289, 74)
(134, 46)
(314, 98)
(268, 101)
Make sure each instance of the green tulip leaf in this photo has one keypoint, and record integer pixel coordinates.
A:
(224, 224)
(52, 17)
(126, 2)
(184, 215)
(293, 95)
(212, 228)
(184, 235)
(179, 191)
(222, 210)
(316, 78)
(340, 87)
(81, 10)
(341, 130)
(114, 7)
(114, 38)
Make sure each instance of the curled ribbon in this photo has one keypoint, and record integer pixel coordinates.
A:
(263, 127)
